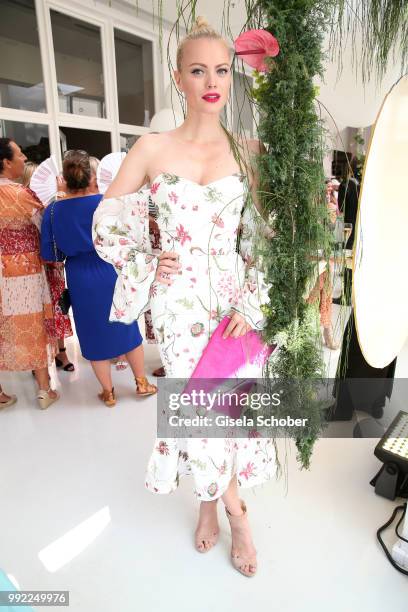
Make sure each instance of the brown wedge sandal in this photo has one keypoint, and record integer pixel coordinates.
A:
(7, 402)
(143, 387)
(241, 563)
(45, 399)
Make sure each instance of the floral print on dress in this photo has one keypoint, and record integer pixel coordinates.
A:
(212, 489)
(27, 322)
(197, 329)
(218, 274)
(227, 287)
(182, 235)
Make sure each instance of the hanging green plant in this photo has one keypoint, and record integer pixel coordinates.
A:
(292, 192)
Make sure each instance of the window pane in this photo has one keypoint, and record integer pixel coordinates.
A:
(127, 141)
(96, 143)
(134, 70)
(78, 61)
(21, 79)
(243, 121)
(32, 138)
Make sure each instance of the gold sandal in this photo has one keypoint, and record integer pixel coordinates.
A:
(240, 562)
(143, 387)
(108, 397)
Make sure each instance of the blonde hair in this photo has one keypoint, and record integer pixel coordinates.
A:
(94, 163)
(200, 29)
(29, 168)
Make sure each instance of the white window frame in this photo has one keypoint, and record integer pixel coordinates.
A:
(125, 128)
(107, 20)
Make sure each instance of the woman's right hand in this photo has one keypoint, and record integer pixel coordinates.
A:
(168, 265)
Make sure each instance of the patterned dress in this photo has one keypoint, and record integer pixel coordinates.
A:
(56, 281)
(27, 329)
(322, 292)
(201, 223)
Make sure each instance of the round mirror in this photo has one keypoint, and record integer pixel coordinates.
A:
(380, 267)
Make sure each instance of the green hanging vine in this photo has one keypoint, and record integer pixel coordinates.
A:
(383, 29)
(292, 193)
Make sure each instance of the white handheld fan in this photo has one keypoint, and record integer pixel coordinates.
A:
(108, 169)
(44, 180)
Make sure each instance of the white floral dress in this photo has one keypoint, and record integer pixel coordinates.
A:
(201, 223)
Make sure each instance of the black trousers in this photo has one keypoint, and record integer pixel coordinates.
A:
(359, 386)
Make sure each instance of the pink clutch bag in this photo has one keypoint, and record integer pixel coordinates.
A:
(222, 358)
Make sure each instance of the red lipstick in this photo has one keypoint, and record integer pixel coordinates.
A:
(211, 97)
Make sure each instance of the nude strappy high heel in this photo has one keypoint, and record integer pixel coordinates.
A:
(328, 340)
(201, 536)
(240, 562)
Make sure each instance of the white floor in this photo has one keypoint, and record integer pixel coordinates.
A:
(75, 515)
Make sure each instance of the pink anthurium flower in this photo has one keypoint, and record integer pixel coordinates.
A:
(254, 46)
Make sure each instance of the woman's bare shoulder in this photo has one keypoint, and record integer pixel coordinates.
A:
(249, 150)
(249, 145)
(147, 143)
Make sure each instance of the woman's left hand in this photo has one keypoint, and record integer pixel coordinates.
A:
(61, 187)
(237, 326)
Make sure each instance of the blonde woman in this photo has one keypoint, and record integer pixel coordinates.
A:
(199, 189)
(29, 168)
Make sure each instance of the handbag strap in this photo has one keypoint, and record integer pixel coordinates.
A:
(56, 249)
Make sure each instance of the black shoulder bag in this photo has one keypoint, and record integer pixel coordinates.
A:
(64, 301)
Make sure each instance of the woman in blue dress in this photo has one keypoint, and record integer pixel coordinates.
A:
(67, 230)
